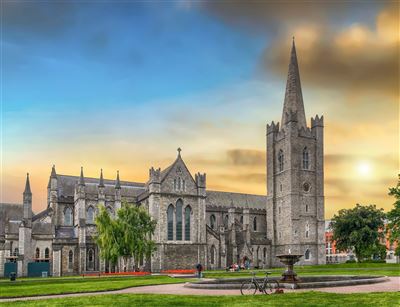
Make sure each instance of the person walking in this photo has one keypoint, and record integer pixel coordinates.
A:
(199, 269)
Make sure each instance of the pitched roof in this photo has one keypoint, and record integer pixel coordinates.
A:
(237, 200)
(9, 212)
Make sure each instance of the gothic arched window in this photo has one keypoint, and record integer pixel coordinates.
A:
(68, 217)
(188, 211)
(241, 219)
(265, 253)
(212, 221)
(90, 215)
(307, 255)
(212, 254)
(70, 260)
(179, 205)
(90, 259)
(255, 223)
(306, 161)
(47, 253)
(226, 220)
(37, 254)
(280, 160)
(170, 222)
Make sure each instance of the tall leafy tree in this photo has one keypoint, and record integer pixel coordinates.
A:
(127, 235)
(393, 217)
(360, 229)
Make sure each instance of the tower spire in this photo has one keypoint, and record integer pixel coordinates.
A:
(27, 185)
(101, 184)
(81, 178)
(293, 96)
(53, 172)
(117, 182)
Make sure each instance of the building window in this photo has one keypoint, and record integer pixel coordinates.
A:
(212, 221)
(241, 219)
(226, 220)
(37, 254)
(255, 224)
(178, 219)
(265, 253)
(90, 215)
(307, 255)
(306, 187)
(212, 254)
(306, 208)
(175, 184)
(307, 230)
(70, 260)
(188, 211)
(280, 160)
(16, 252)
(170, 221)
(90, 260)
(306, 162)
(279, 210)
(179, 183)
(68, 217)
(183, 185)
(47, 253)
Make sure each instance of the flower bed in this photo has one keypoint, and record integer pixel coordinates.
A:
(178, 271)
(118, 274)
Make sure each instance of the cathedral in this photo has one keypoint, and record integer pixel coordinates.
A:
(194, 224)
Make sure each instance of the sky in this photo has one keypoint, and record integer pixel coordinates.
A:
(121, 85)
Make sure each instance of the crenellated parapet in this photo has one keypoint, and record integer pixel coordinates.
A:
(200, 180)
(305, 132)
(317, 121)
(272, 128)
(154, 175)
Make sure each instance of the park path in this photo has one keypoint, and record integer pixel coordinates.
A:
(392, 285)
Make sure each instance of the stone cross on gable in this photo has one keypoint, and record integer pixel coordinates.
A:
(179, 151)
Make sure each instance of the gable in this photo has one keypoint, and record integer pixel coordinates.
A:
(177, 179)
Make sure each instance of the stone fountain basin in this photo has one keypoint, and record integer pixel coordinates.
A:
(304, 283)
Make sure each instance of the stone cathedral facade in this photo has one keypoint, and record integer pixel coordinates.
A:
(194, 224)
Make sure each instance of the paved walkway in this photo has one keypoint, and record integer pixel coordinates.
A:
(392, 285)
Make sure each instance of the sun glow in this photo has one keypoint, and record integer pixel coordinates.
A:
(364, 168)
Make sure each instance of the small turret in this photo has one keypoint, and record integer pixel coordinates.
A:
(117, 182)
(27, 203)
(117, 193)
(81, 178)
(101, 187)
(101, 181)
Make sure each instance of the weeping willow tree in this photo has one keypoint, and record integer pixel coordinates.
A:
(128, 235)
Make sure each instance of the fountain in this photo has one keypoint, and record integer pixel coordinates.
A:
(289, 260)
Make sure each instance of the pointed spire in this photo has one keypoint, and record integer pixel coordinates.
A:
(27, 185)
(101, 184)
(117, 182)
(81, 178)
(293, 96)
(53, 172)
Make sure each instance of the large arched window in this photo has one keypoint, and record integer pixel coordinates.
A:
(170, 222)
(90, 215)
(212, 254)
(255, 223)
(212, 221)
(37, 254)
(306, 161)
(70, 260)
(307, 255)
(47, 253)
(188, 211)
(68, 216)
(280, 160)
(179, 205)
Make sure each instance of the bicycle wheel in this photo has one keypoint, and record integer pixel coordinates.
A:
(271, 286)
(248, 288)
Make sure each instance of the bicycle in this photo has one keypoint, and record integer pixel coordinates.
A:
(249, 287)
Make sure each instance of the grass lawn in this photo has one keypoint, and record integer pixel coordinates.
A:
(27, 287)
(290, 299)
(386, 269)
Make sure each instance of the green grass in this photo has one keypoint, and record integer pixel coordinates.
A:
(47, 286)
(329, 269)
(290, 299)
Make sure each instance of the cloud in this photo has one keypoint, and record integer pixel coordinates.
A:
(246, 157)
(356, 59)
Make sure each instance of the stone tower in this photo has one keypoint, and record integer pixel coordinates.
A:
(295, 178)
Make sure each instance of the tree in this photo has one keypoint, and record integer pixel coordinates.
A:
(128, 235)
(393, 217)
(360, 229)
